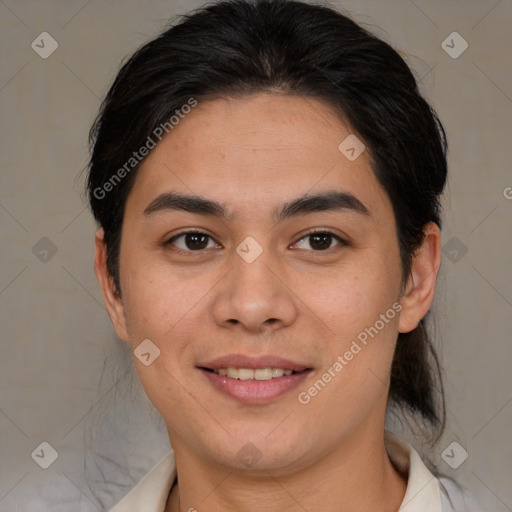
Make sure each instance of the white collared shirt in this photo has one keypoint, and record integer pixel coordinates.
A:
(424, 493)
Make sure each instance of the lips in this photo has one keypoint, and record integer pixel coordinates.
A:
(254, 391)
(253, 363)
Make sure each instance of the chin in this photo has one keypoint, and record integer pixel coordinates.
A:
(255, 453)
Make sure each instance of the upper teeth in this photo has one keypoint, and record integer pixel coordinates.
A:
(250, 374)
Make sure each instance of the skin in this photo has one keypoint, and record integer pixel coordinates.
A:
(253, 154)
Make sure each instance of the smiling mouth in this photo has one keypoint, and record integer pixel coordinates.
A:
(257, 385)
(251, 374)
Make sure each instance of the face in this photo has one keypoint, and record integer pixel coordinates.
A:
(250, 241)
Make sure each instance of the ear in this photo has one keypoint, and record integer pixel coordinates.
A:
(421, 284)
(113, 301)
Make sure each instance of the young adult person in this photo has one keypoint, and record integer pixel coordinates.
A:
(266, 179)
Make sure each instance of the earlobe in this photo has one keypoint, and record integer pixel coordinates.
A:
(420, 289)
(113, 301)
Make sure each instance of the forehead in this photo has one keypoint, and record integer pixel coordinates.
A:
(262, 148)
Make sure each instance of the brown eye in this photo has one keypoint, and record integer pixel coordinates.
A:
(194, 241)
(320, 241)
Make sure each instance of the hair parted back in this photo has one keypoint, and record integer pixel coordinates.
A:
(241, 47)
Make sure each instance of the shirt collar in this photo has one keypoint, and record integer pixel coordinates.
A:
(422, 491)
(152, 491)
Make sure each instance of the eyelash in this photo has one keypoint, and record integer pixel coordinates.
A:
(170, 243)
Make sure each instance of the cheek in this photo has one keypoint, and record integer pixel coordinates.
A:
(157, 308)
(353, 380)
(355, 306)
(154, 297)
(171, 311)
(348, 300)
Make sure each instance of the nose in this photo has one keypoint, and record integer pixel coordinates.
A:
(253, 298)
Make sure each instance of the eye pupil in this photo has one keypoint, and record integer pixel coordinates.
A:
(320, 241)
(196, 241)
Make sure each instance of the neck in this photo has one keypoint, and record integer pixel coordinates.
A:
(358, 477)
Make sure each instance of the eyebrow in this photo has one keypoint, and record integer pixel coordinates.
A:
(321, 202)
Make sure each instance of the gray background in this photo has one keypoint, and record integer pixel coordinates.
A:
(63, 374)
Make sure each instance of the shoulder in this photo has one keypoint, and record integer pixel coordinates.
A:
(151, 493)
(455, 498)
(425, 490)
